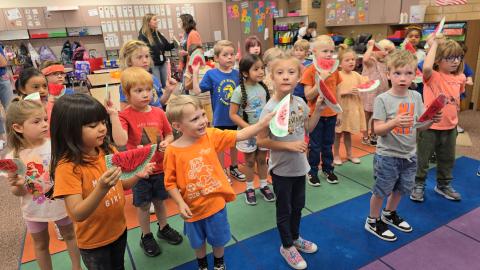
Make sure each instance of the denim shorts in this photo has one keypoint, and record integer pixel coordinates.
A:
(393, 174)
(147, 189)
(249, 146)
(215, 229)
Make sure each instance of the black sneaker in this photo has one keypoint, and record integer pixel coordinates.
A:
(392, 218)
(378, 228)
(267, 194)
(373, 140)
(313, 179)
(331, 177)
(220, 266)
(170, 235)
(235, 172)
(250, 198)
(149, 245)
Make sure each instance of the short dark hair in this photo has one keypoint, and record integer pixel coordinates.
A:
(188, 23)
(312, 25)
(24, 77)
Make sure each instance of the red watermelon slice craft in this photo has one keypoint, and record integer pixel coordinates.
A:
(434, 107)
(418, 76)
(279, 123)
(377, 48)
(329, 98)
(132, 161)
(329, 65)
(368, 86)
(14, 165)
(196, 58)
(409, 47)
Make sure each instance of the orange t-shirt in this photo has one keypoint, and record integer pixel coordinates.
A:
(196, 172)
(107, 223)
(332, 81)
(451, 86)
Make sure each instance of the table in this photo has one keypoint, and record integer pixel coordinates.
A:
(105, 70)
(102, 79)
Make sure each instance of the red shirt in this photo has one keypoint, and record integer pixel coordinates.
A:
(145, 128)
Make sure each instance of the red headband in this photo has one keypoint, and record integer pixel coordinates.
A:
(53, 68)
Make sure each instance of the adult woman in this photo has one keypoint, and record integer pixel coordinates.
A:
(157, 43)
(6, 93)
(191, 36)
(308, 32)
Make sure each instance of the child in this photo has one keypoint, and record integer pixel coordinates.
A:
(253, 45)
(308, 32)
(201, 70)
(31, 80)
(442, 74)
(135, 53)
(268, 57)
(352, 120)
(194, 176)
(395, 162)
(93, 195)
(300, 51)
(288, 164)
(54, 72)
(247, 102)
(221, 82)
(374, 68)
(413, 35)
(144, 125)
(27, 137)
(323, 135)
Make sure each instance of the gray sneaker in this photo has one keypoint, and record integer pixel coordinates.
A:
(418, 193)
(448, 192)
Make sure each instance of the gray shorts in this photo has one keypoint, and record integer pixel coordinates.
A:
(393, 174)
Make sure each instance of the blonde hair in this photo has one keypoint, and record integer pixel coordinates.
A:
(302, 44)
(285, 57)
(323, 40)
(134, 76)
(271, 54)
(447, 48)
(18, 112)
(127, 51)
(401, 58)
(384, 43)
(176, 104)
(146, 30)
(343, 49)
(217, 49)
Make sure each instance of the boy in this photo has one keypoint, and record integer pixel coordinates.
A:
(300, 51)
(143, 124)
(395, 162)
(194, 176)
(221, 82)
(323, 136)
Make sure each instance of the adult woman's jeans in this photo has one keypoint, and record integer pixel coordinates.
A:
(6, 95)
(161, 73)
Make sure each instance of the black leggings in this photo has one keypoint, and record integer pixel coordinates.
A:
(109, 257)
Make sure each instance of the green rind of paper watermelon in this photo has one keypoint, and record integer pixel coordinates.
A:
(195, 53)
(372, 87)
(274, 128)
(128, 175)
(334, 67)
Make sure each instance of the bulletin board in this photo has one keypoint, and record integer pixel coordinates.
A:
(247, 18)
(347, 12)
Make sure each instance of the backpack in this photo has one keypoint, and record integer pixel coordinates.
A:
(80, 54)
(23, 56)
(66, 54)
(46, 54)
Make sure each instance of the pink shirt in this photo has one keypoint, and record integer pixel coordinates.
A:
(451, 86)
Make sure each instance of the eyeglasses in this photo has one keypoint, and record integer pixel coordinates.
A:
(458, 58)
(58, 74)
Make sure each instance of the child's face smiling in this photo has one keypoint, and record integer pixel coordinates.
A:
(194, 122)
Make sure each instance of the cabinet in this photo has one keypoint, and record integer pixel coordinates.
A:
(34, 17)
(361, 12)
(3, 25)
(14, 19)
(54, 19)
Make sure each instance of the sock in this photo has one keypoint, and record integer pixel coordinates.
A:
(263, 183)
(217, 261)
(372, 220)
(202, 262)
(250, 185)
(386, 212)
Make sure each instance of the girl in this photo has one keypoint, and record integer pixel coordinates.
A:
(442, 74)
(93, 195)
(352, 120)
(136, 53)
(31, 80)
(413, 35)
(246, 104)
(253, 45)
(374, 68)
(288, 164)
(268, 57)
(158, 45)
(27, 131)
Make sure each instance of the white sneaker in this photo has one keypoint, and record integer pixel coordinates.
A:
(152, 209)
(460, 129)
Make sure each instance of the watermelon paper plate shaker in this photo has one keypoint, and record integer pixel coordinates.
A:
(279, 123)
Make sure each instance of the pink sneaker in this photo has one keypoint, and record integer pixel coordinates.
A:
(293, 258)
(305, 246)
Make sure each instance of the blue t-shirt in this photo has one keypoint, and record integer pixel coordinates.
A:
(157, 86)
(221, 86)
(3, 70)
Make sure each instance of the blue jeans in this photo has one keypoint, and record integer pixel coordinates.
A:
(161, 73)
(321, 141)
(6, 96)
(393, 174)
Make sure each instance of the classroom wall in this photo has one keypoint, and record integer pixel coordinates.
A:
(64, 3)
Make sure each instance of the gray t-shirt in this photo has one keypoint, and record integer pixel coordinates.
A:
(399, 142)
(256, 99)
(286, 163)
